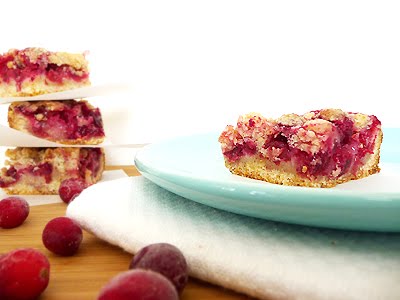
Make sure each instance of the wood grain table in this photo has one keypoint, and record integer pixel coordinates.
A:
(81, 276)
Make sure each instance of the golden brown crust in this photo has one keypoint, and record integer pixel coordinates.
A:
(22, 154)
(65, 164)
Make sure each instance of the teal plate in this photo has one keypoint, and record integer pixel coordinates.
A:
(193, 167)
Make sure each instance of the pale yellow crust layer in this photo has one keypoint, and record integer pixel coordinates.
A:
(39, 86)
(65, 164)
(20, 122)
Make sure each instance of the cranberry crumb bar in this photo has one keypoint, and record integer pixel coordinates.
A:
(36, 71)
(41, 170)
(321, 148)
(67, 122)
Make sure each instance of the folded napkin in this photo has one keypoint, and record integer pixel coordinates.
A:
(264, 259)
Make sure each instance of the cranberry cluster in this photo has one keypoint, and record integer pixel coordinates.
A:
(157, 271)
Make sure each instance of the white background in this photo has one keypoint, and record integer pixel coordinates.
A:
(194, 66)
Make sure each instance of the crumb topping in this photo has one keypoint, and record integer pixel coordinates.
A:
(291, 120)
(360, 120)
(42, 56)
(332, 114)
(75, 60)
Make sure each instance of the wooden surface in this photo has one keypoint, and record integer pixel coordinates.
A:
(81, 276)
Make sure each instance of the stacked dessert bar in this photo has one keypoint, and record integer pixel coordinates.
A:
(36, 71)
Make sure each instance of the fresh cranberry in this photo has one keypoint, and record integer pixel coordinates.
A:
(165, 259)
(13, 212)
(62, 236)
(138, 284)
(24, 274)
(71, 188)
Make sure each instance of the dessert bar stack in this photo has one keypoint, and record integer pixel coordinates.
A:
(33, 170)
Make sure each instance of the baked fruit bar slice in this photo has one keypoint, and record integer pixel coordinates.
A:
(321, 148)
(67, 122)
(36, 71)
(33, 171)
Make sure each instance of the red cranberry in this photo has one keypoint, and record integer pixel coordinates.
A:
(24, 274)
(71, 188)
(165, 259)
(62, 236)
(138, 284)
(13, 212)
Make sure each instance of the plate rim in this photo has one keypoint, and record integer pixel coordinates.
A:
(278, 194)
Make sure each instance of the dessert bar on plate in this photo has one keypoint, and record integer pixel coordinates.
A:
(41, 170)
(67, 122)
(321, 148)
(36, 71)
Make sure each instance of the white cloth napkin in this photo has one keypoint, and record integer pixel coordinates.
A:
(264, 259)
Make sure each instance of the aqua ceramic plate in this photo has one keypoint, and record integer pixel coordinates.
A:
(193, 167)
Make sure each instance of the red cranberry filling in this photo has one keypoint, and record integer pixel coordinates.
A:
(75, 121)
(25, 69)
(345, 155)
(240, 150)
(90, 160)
(44, 170)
